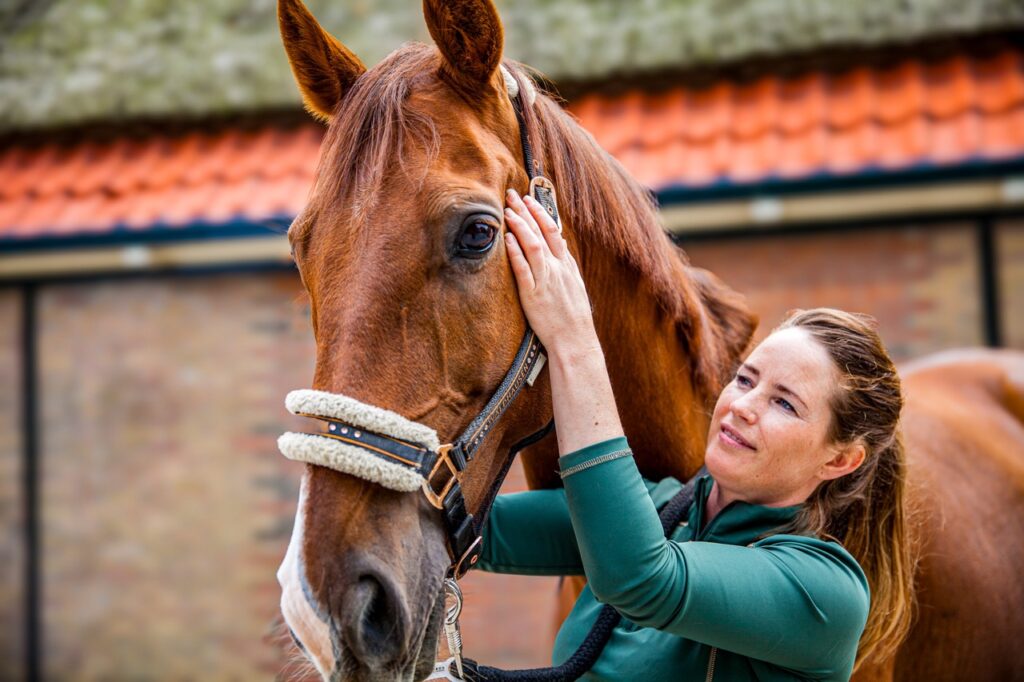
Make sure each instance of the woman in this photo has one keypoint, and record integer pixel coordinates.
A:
(794, 562)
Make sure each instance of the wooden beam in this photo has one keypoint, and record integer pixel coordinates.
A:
(41, 264)
(773, 212)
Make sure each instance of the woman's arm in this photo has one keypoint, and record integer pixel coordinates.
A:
(796, 602)
(799, 603)
(530, 533)
(555, 301)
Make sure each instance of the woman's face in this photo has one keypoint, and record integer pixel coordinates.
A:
(768, 443)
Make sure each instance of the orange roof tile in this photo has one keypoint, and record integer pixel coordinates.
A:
(904, 115)
(172, 181)
(899, 93)
(801, 103)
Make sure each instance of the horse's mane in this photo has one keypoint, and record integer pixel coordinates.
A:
(601, 201)
(370, 127)
(604, 203)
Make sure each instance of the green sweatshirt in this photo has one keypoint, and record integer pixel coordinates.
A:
(713, 602)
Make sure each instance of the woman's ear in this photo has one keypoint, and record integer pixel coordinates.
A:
(846, 459)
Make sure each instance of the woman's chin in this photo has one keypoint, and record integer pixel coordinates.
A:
(726, 465)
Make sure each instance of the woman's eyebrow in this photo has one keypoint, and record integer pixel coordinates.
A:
(778, 387)
(782, 389)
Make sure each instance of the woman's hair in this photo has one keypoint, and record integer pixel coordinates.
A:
(865, 509)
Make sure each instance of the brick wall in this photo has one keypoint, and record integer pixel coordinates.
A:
(166, 507)
(921, 282)
(12, 557)
(1010, 254)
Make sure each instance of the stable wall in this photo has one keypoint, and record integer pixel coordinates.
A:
(922, 282)
(165, 507)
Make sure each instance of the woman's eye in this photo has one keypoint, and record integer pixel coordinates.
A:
(743, 381)
(477, 237)
(786, 405)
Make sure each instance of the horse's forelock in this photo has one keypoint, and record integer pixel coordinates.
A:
(370, 128)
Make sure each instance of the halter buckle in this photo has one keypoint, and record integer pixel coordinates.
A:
(543, 190)
(436, 499)
(468, 558)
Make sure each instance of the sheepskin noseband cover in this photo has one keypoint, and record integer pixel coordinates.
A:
(336, 454)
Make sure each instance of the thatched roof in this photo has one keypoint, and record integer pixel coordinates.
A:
(64, 62)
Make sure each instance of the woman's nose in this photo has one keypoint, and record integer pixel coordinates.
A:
(743, 410)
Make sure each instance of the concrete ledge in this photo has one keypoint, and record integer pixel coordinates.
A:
(42, 264)
(907, 201)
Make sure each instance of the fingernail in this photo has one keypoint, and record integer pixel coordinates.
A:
(512, 193)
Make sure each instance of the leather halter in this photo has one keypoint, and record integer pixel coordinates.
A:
(442, 469)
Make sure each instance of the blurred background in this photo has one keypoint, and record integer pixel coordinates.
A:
(864, 154)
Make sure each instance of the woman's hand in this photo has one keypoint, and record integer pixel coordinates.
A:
(551, 289)
(556, 305)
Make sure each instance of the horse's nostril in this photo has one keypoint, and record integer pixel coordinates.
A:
(374, 628)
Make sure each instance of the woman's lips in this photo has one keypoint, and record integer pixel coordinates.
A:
(732, 437)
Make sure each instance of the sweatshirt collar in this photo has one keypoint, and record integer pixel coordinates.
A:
(739, 523)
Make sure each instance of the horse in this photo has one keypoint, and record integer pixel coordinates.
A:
(414, 309)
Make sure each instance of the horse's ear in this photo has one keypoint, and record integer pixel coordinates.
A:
(323, 67)
(469, 35)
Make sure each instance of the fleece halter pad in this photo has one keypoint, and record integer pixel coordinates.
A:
(352, 443)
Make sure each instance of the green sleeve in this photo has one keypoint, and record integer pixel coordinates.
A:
(796, 602)
(530, 533)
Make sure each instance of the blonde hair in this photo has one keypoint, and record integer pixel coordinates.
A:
(865, 510)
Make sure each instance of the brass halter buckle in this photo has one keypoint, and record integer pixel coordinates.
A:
(436, 499)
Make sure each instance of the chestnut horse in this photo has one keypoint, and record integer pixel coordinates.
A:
(414, 309)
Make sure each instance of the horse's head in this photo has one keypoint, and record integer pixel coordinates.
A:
(414, 309)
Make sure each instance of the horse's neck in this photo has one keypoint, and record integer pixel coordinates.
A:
(664, 414)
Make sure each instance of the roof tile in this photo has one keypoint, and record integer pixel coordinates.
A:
(899, 93)
(708, 112)
(1002, 135)
(853, 148)
(663, 117)
(802, 154)
(756, 108)
(999, 82)
(906, 114)
(954, 139)
(801, 103)
(903, 143)
(851, 98)
(950, 87)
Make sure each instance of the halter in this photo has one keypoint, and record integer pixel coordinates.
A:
(385, 448)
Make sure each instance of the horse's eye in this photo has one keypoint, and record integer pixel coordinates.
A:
(477, 236)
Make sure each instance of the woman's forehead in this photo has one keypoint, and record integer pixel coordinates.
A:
(793, 355)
